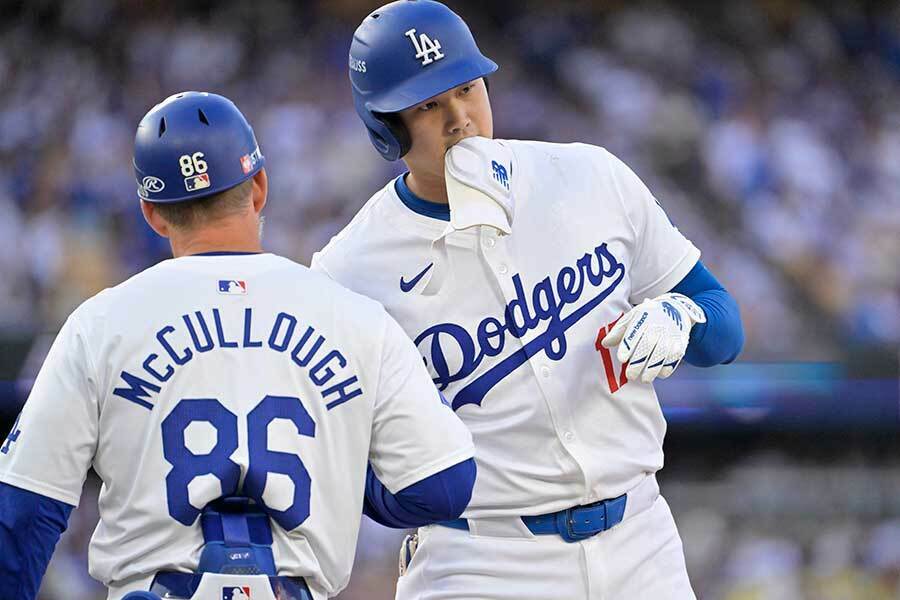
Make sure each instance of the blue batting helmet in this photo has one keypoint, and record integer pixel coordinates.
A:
(402, 54)
(192, 145)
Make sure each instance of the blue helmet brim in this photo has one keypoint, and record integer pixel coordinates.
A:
(430, 83)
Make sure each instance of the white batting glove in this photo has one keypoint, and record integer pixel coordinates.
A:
(653, 336)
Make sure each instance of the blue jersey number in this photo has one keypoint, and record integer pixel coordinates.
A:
(264, 461)
(186, 465)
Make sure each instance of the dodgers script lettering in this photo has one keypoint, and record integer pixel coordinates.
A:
(597, 273)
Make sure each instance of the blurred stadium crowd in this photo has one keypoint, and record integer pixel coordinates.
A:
(769, 130)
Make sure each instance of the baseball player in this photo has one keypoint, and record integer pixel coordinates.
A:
(232, 401)
(546, 290)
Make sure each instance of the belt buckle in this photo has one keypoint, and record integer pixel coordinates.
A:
(565, 521)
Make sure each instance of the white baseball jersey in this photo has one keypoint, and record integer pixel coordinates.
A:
(206, 376)
(511, 334)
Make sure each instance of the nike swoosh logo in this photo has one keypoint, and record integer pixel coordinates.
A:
(407, 286)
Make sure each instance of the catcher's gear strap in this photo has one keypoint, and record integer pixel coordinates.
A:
(181, 586)
(238, 539)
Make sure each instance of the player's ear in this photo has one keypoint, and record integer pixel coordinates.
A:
(260, 190)
(154, 219)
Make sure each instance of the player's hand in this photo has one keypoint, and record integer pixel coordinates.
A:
(653, 336)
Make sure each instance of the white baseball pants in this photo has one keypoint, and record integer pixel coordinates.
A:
(641, 557)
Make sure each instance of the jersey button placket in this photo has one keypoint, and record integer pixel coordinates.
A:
(497, 258)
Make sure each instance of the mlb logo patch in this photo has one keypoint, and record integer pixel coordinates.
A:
(249, 161)
(236, 592)
(197, 182)
(232, 286)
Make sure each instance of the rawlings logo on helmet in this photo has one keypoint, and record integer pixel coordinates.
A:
(152, 185)
(425, 47)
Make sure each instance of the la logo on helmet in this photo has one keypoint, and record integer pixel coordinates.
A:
(425, 47)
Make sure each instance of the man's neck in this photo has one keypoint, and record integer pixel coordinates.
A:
(221, 237)
(428, 187)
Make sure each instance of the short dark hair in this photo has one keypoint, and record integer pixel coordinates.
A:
(188, 213)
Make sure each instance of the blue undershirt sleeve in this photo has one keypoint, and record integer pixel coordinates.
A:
(720, 339)
(440, 497)
(30, 526)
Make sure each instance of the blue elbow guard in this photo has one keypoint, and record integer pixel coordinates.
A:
(721, 338)
(440, 497)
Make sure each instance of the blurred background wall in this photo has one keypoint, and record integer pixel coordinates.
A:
(770, 131)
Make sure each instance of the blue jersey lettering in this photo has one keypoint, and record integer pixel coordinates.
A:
(601, 269)
(305, 349)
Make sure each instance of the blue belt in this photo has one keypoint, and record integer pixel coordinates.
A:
(572, 524)
(183, 585)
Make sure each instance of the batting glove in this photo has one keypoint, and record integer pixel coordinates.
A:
(653, 336)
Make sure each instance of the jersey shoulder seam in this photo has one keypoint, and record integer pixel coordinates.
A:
(381, 347)
(677, 264)
(84, 312)
(361, 218)
(608, 156)
(89, 359)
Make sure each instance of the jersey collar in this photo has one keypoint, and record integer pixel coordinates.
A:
(419, 205)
